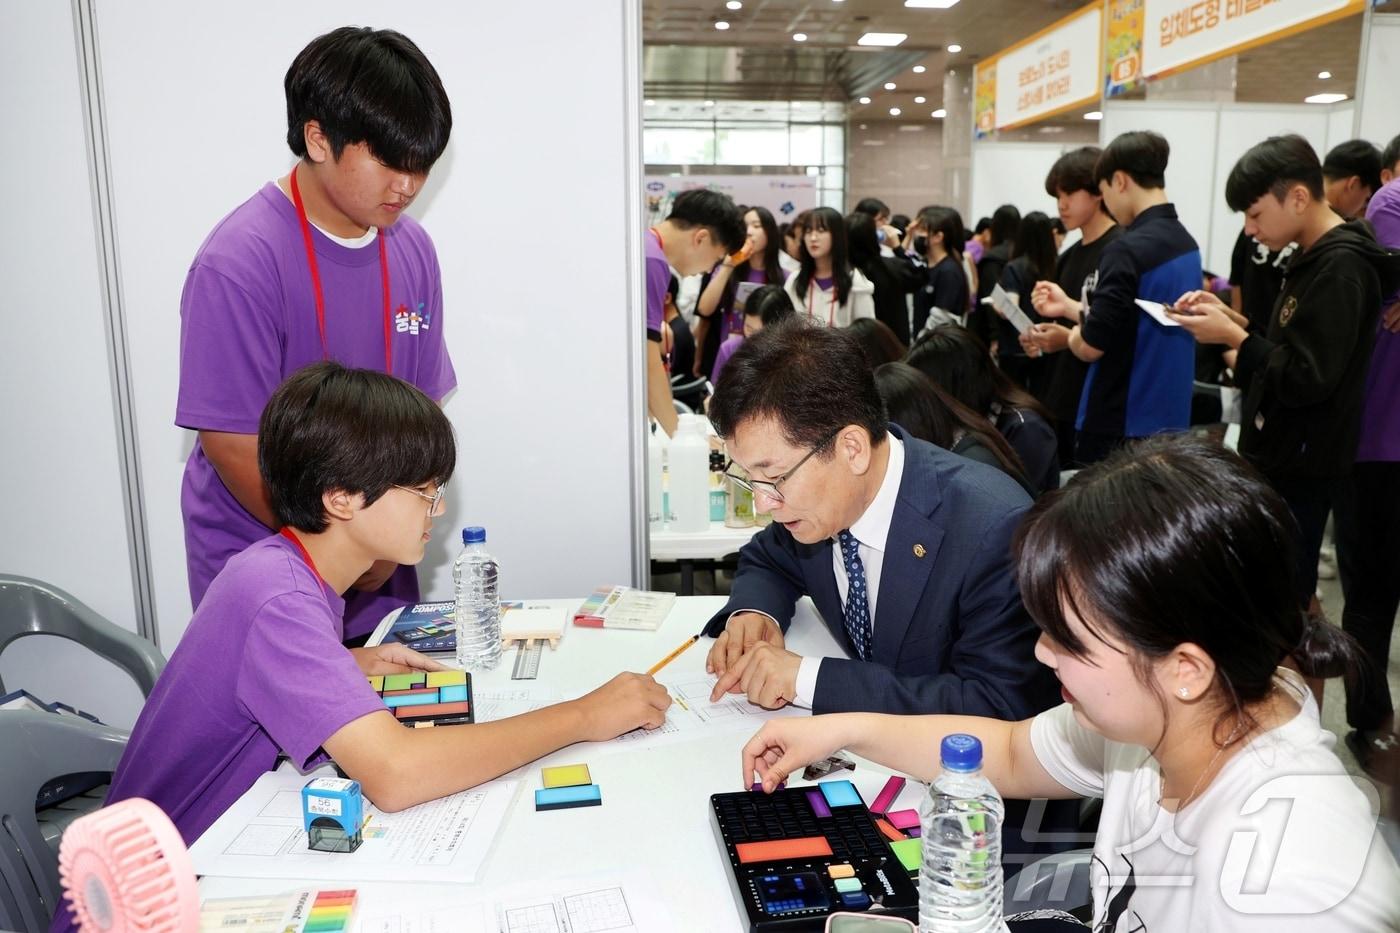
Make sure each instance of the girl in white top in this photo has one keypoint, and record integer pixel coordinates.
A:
(1161, 581)
(826, 289)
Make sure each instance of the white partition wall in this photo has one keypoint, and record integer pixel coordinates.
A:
(1380, 105)
(1012, 173)
(63, 520)
(1207, 138)
(535, 210)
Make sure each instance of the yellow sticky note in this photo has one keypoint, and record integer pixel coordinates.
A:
(376, 683)
(446, 678)
(566, 776)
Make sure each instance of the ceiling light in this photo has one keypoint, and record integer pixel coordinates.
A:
(1094, 115)
(918, 69)
(1324, 99)
(721, 25)
(734, 5)
(882, 38)
(930, 4)
(890, 85)
(1324, 75)
(799, 37)
(865, 100)
(709, 103)
(894, 111)
(920, 100)
(954, 49)
(939, 114)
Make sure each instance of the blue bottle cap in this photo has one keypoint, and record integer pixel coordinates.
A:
(474, 535)
(960, 752)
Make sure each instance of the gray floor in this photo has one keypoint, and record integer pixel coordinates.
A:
(1334, 699)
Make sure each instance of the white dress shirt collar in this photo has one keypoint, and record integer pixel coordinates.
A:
(873, 527)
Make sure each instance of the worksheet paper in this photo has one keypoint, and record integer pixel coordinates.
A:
(1008, 306)
(261, 836)
(1157, 311)
(602, 905)
(692, 715)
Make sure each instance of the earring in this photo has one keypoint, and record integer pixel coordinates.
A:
(1183, 691)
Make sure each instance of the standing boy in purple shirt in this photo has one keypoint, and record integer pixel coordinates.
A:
(355, 464)
(320, 264)
(703, 227)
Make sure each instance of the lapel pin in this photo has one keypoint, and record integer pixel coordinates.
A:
(919, 550)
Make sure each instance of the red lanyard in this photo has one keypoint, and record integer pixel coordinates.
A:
(831, 308)
(301, 549)
(316, 281)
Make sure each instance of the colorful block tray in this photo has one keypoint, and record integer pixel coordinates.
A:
(427, 698)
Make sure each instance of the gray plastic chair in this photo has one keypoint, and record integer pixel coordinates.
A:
(37, 747)
(32, 607)
(1059, 881)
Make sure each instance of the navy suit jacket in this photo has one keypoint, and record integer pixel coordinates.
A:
(951, 634)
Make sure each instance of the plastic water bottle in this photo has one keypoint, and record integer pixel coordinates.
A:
(688, 472)
(478, 611)
(960, 878)
(657, 442)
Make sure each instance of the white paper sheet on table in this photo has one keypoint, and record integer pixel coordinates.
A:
(494, 703)
(613, 904)
(261, 836)
(1008, 306)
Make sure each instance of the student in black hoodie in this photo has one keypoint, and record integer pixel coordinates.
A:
(894, 277)
(1304, 377)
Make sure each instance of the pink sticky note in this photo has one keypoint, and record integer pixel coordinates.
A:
(903, 819)
(886, 799)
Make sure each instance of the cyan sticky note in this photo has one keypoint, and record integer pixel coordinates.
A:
(840, 793)
(457, 694)
(560, 798)
(910, 853)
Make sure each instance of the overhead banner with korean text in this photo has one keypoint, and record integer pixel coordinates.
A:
(1056, 69)
(1179, 33)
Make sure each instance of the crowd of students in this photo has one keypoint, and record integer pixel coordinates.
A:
(1137, 636)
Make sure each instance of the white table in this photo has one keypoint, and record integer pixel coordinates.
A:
(691, 547)
(655, 813)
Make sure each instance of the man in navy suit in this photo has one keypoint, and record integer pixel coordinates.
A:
(905, 548)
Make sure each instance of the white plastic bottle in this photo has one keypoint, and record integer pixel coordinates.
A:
(478, 610)
(657, 443)
(688, 469)
(960, 877)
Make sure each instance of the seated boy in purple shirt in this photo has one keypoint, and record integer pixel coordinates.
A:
(322, 263)
(355, 463)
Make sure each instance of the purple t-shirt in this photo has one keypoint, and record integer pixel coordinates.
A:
(1380, 411)
(658, 281)
(248, 321)
(726, 350)
(259, 671)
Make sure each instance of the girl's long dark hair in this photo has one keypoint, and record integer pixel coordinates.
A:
(826, 218)
(917, 404)
(1035, 240)
(958, 360)
(1175, 539)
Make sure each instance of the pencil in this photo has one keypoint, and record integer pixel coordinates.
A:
(673, 655)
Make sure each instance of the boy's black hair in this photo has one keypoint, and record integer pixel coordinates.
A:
(713, 210)
(1354, 157)
(372, 86)
(356, 430)
(1272, 167)
(900, 222)
(1141, 154)
(872, 206)
(1390, 156)
(1074, 171)
(811, 380)
(770, 304)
